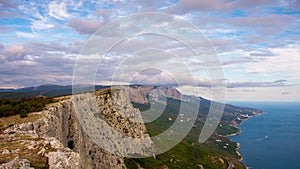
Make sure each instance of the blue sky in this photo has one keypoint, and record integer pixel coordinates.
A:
(258, 42)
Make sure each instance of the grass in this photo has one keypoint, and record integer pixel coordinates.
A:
(15, 119)
(21, 143)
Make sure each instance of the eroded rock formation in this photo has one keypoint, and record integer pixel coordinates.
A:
(71, 146)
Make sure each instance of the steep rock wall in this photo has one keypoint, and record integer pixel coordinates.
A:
(60, 121)
(139, 94)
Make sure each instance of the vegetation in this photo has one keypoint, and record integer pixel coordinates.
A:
(9, 107)
(16, 95)
(15, 120)
(45, 90)
(217, 152)
(19, 147)
(225, 129)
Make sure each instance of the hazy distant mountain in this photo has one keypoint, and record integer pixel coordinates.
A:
(45, 87)
(44, 90)
(6, 90)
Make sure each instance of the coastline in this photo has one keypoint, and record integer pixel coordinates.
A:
(238, 153)
(239, 132)
(234, 134)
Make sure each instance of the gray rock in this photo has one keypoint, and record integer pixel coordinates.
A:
(5, 151)
(61, 129)
(24, 164)
(16, 163)
(10, 164)
(74, 148)
(63, 160)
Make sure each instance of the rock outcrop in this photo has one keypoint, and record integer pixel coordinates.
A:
(16, 163)
(140, 94)
(71, 146)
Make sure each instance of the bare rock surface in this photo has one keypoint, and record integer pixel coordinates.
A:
(63, 160)
(16, 163)
(138, 94)
(59, 140)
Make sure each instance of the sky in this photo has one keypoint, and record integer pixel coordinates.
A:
(257, 43)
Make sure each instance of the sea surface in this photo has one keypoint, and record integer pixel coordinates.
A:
(271, 140)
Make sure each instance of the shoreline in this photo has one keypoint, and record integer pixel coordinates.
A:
(234, 134)
(238, 153)
(239, 132)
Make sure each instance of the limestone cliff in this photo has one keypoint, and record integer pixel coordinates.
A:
(71, 146)
(140, 94)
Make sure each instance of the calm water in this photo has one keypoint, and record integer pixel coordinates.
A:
(272, 140)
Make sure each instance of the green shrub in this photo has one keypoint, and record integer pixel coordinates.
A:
(23, 113)
(24, 106)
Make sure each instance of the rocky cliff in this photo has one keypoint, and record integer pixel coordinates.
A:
(140, 94)
(97, 129)
(61, 138)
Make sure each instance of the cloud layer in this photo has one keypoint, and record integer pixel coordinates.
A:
(257, 41)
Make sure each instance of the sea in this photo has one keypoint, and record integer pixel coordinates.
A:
(271, 140)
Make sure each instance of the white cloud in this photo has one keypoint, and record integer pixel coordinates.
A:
(14, 52)
(279, 93)
(285, 63)
(196, 91)
(217, 31)
(36, 25)
(241, 38)
(84, 26)
(283, 93)
(58, 10)
(26, 35)
(23, 63)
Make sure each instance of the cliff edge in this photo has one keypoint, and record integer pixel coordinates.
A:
(59, 137)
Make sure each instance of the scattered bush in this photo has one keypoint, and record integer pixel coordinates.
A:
(23, 113)
(23, 107)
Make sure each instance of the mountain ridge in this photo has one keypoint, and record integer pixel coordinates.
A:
(218, 150)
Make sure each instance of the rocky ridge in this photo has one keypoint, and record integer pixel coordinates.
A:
(59, 138)
(139, 94)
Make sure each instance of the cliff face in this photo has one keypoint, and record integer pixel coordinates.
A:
(73, 148)
(61, 122)
(67, 133)
(139, 94)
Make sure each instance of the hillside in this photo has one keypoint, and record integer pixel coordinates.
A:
(60, 121)
(45, 90)
(217, 152)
